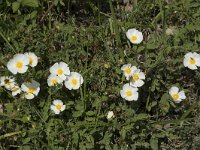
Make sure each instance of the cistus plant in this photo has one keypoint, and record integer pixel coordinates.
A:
(110, 75)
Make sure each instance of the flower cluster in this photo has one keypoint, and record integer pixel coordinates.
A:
(10, 84)
(19, 64)
(60, 73)
(192, 61)
(136, 77)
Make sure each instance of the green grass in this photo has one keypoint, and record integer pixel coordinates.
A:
(90, 37)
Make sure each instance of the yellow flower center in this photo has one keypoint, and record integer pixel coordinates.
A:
(59, 71)
(192, 61)
(54, 81)
(128, 70)
(136, 77)
(175, 96)
(74, 81)
(7, 82)
(129, 93)
(30, 60)
(58, 107)
(31, 91)
(19, 64)
(134, 38)
(15, 89)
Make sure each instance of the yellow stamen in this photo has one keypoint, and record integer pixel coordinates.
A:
(19, 65)
(54, 81)
(136, 77)
(74, 81)
(175, 96)
(15, 89)
(58, 107)
(7, 82)
(128, 70)
(30, 60)
(31, 91)
(192, 61)
(129, 93)
(59, 71)
(134, 38)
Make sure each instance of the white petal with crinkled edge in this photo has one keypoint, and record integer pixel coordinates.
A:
(182, 95)
(33, 59)
(53, 108)
(57, 102)
(137, 83)
(131, 32)
(65, 67)
(29, 96)
(63, 107)
(173, 90)
(54, 68)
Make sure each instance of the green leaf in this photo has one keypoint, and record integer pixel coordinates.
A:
(30, 3)
(140, 49)
(62, 3)
(33, 14)
(79, 106)
(123, 133)
(142, 116)
(9, 107)
(164, 103)
(154, 143)
(15, 6)
(55, 2)
(90, 113)
(26, 140)
(151, 46)
(77, 114)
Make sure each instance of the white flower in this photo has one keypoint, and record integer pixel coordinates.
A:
(128, 70)
(54, 80)
(134, 36)
(33, 59)
(192, 60)
(74, 81)
(176, 95)
(16, 90)
(137, 78)
(60, 69)
(57, 106)
(129, 93)
(18, 64)
(31, 89)
(110, 115)
(7, 82)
